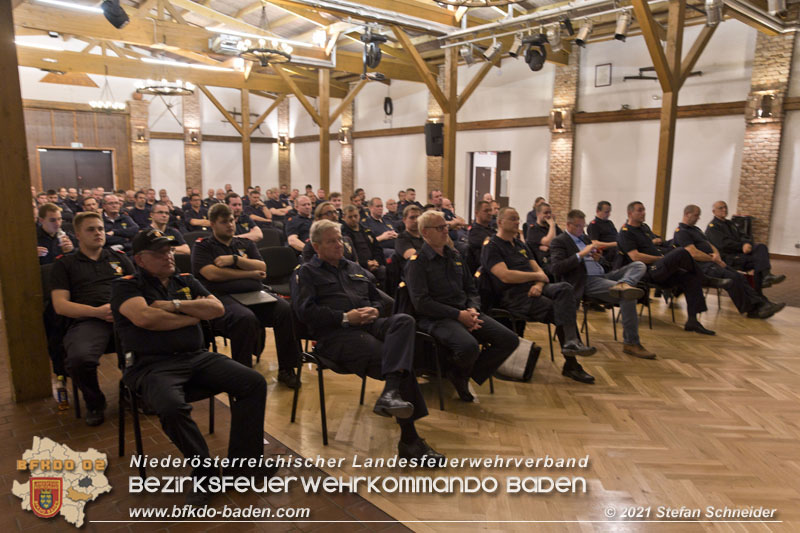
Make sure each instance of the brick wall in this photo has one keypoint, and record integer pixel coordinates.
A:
(192, 120)
(347, 155)
(140, 149)
(284, 166)
(435, 165)
(565, 96)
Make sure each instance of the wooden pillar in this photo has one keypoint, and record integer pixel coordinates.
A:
(450, 122)
(246, 168)
(666, 149)
(140, 143)
(348, 150)
(22, 337)
(284, 161)
(192, 140)
(324, 129)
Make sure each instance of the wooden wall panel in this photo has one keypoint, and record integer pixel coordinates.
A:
(86, 133)
(63, 128)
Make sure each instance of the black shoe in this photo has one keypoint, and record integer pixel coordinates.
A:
(719, 283)
(289, 378)
(462, 386)
(766, 310)
(578, 374)
(95, 417)
(576, 347)
(417, 450)
(771, 279)
(391, 404)
(698, 327)
(200, 498)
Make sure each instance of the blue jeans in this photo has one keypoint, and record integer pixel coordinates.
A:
(597, 287)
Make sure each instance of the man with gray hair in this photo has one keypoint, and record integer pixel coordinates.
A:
(338, 302)
(120, 228)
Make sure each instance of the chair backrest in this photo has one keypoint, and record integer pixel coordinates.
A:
(183, 262)
(280, 260)
(486, 290)
(45, 271)
(192, 236)
(524, 231)
(402, 300)
(272, 237)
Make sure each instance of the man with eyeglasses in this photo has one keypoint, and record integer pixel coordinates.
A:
(447, 307)
(327, 211)
(160, 220)
(120, 228)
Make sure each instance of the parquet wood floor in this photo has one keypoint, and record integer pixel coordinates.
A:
(714, 421)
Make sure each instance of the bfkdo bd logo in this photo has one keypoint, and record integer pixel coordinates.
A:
(46, 496)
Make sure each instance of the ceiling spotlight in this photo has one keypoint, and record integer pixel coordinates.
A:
(567, 25)
(516, 46)
(713, 12)
(115, 14)
(554, 37)
(584, 33)
(623, 21)
(536, 54)
(466, 54)
(372, 49)
(493, 50)
(776, 8)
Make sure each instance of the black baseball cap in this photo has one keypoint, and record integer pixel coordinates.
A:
(151, 239)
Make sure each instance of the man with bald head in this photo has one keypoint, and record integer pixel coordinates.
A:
(738, 250)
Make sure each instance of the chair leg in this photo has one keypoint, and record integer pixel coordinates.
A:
(296, 395)
(585, 325)
(438, 376)
(363, 388)
(672, 307)
(322, 413)
(121, 421)
(491, 385)
(550, 339)
(137, 430)
(649, 316)
(211, 415)
(719, 299)
(76, 399)
(613, 321)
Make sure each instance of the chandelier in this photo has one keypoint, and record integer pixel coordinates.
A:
(478, 3)
(107, 101)
(165, 88)
(267, 51)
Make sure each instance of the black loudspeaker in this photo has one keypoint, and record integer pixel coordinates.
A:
(434, 139)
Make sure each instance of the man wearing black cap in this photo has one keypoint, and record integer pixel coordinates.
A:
(158, 314)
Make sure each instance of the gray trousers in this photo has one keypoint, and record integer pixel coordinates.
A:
(597, 287)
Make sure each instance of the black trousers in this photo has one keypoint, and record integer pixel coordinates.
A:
(378, 349)
(167, 384)
(54, 329)
(678, 269)
(757, 260)
(744, 297)
(244, 326)
(470, 361)
(85, 342)
(555, 306)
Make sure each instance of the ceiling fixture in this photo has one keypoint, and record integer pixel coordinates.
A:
(115, 14)
(713, 12)
(372, 48)
(279, 52)
(493, 50)
(776, 8)
(623, 21)
(107, 101)
(554, 37)
(584, 33)
(478, 3)
(70, 5)
(466, 54)
(536, 54)
(165, 88)
(516, 46)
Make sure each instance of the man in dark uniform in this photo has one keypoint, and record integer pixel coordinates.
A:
(54, 197)
(211, 199)
(392, 216)
(708, 258)
(298, 226)
(525, 291)
(229, 265)
(479, 233)
(284, 195)
(140, 212)
(51, 240)
(72, 200)
(603, 233)
(738, 251)
(81, 290)
(196, 216)
(257, 211)
(447, 305)
(245, 227)
(336, 200)
(409, 199)
(278, 207)
(409, 242)
(158, 314)
(120, 228)
(541, 233)
(370, 254)
(159, 216)
(380, 226)
(675, 268)
(186, 199)
(363, 212)
(338, 302)
(531, 216)
(89, 203)
(326, 211)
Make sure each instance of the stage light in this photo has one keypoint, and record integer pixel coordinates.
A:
(776, 8)
(115, 14)
(466, 54)
(516, 46)
(623, 21)
(584, 33)
(554, 37)
(713, 12)
(493, 50)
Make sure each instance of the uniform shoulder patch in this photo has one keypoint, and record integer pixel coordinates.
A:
(593, 222)
(129, 276)
(201, 239)
(624, 228)
(677, 229)
(413, 257)
(486, 241)
(297, 267)
(711, 225)
(120, 252)
(184, 274)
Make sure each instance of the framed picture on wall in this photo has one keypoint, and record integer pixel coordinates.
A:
(602, 75)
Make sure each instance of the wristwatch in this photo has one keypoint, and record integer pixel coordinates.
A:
(345, 321)
(177, 304)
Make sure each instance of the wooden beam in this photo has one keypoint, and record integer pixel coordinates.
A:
(694, 53)
(145, 8)
(266, 113)
(218, 17)
(421, 67)
(222, 110)
(677, 14)
(766, 30)
(666, 148)
(173, 12)
(299, 94)
(347, 101)
(450, 122)
(324, 134)
(405, 7)
(650, 33)
(301, 11)
(476, 80)
(245, 132)
(263, 94)
(23, 344)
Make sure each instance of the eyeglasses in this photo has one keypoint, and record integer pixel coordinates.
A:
(330, 213)
(443, 227)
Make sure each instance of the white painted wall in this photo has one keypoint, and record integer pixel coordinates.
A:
(409, 99)
(784, 229)
(221, 164)
(301, 123)
(384, 165)
(167, 168)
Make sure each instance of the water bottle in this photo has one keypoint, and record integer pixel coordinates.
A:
(61, 393)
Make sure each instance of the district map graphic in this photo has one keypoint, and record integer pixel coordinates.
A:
(62, 480)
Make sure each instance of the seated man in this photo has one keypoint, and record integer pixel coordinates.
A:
(229, 265)
(195, 218)
(576, 260)
(326, 211)
(409, 242)
(707, 256)
(90, 204)
(278, 207)
(381, 227)
(339, 304)
(245, 227)
(525, 291)
(336, 200)
(81, 290)
(298, 226)
(140, 211)
(51, 240)
(530, 218)
(738, 251)
(120, 228)
(446, 302)
(370, 254)
(479, 233)
(211, 199)
(392, 216)
(541, 234)
(159, 216)
(257, 211)
(676, 268)
(603, 232)
(158, 314)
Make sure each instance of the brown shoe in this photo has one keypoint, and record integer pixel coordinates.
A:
(637, 350)
(625, 291)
